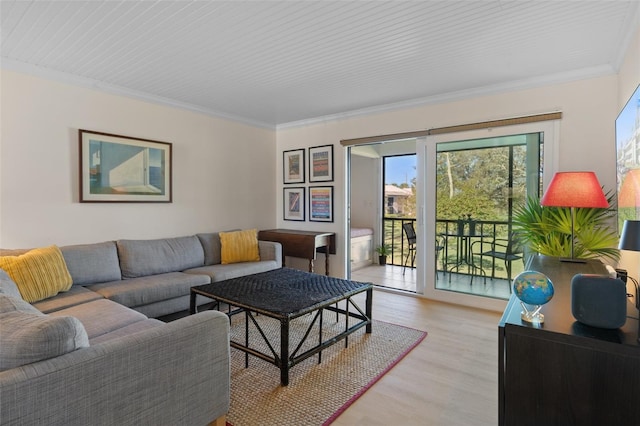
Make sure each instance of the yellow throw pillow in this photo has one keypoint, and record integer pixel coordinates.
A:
(239, 246)
(39, 273)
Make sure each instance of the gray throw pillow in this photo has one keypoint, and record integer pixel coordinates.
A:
(26, 337)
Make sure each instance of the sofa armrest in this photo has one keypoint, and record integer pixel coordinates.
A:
(176, 373)
(270, 250)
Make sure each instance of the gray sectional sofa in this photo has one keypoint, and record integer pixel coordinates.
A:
(106, 359)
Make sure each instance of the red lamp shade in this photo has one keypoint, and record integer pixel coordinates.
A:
(574, 189)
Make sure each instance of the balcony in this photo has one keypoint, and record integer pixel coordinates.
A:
(458, 267)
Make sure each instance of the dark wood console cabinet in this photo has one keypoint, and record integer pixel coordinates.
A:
(564, 372)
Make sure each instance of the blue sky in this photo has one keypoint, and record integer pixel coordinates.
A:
(400, 169)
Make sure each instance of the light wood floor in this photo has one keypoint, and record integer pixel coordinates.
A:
(450, 379)
(391, 276)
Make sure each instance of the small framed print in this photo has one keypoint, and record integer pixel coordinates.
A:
(321, 203)
(293, 203)
(321, 163)
(293, 166)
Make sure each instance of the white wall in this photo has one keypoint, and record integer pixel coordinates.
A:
(587, 135)
(629, 79)
(223, 172)
(365, 176)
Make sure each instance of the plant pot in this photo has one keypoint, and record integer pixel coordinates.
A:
(382, 260)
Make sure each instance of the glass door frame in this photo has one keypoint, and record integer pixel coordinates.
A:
(426, 196)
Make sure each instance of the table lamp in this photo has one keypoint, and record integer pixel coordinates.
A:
(574, 189)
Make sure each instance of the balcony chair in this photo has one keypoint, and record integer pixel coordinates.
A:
(410, 233)
(504, 249)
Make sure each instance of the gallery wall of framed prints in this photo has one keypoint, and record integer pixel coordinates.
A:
(320, 198)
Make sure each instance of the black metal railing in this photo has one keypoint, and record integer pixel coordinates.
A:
(447, 232)
(393, 236)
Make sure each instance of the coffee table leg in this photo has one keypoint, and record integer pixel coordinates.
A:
(192, 303)
(369, 309)
(284, 352)
(246, 337)
(326, 261)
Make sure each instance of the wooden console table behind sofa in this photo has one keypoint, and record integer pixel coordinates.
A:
(303, 244)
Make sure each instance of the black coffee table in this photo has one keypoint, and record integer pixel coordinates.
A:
(286, 294)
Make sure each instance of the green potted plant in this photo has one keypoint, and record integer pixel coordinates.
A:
(383, 251)
(547, 230)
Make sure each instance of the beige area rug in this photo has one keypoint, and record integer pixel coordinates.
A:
(317, 393)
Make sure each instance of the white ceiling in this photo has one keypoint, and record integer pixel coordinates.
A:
(282, 63)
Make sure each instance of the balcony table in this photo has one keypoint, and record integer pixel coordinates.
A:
(463, 252)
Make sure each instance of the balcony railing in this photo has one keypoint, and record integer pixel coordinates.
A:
(446, 230)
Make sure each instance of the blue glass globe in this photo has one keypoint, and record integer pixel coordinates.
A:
(533, 288)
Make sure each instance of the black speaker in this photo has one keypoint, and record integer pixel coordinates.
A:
(599, 301)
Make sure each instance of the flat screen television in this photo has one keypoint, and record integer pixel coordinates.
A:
(628, 159)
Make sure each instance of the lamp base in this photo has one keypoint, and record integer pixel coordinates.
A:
(572, 260)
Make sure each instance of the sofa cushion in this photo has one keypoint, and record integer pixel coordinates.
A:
(101, 316)
(225, 272)
(28, 337)
(127, 330)
(270, 250)
(239, 246)
(16, 304)
(39, 273)
(211, 245)
(75, 296)
(92, 263)
(8, 286)
(139, 258)
(13, 252)
(150, 289)
(167, 307)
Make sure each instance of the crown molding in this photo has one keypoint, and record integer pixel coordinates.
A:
(582, 74)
